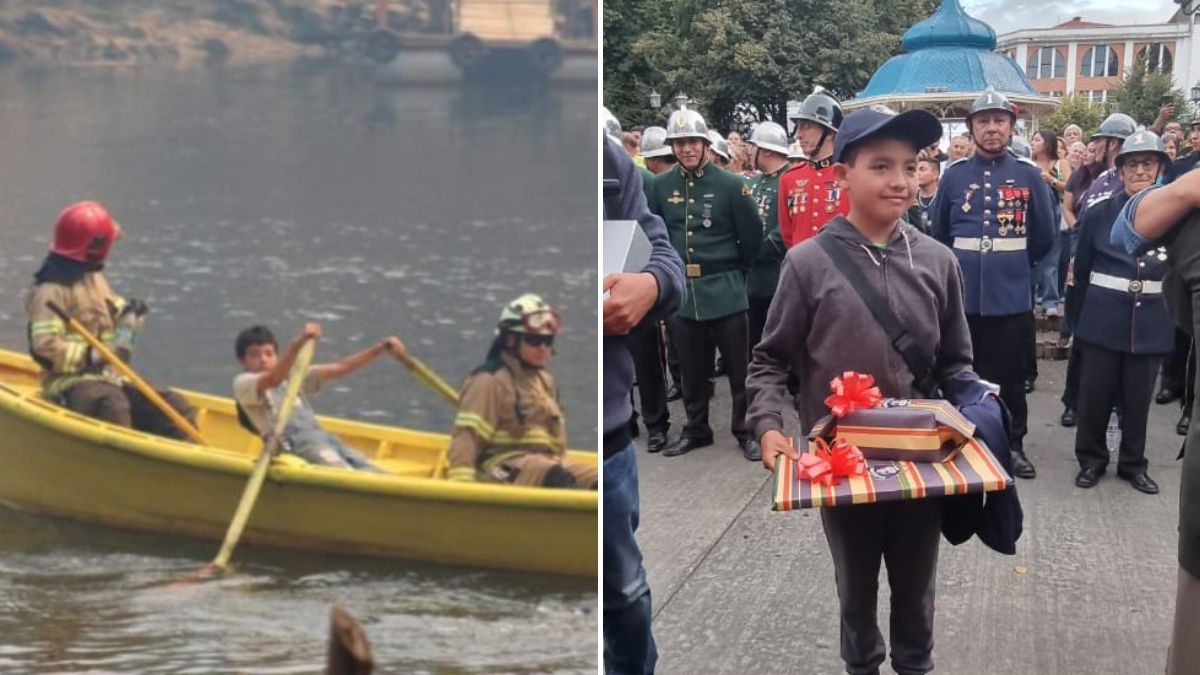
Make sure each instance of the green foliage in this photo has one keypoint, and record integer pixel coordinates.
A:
(1076, 110)
(1142, 93)
(734, 54)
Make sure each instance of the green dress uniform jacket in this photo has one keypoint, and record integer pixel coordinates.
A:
(1182, 291)
(713, 223)
(647, 179)
(764, 275)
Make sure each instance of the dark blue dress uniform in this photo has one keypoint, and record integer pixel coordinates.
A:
(998, 217)
(1123, 329)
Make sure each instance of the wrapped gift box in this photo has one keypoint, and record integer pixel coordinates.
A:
(901, 429)
(971, 469)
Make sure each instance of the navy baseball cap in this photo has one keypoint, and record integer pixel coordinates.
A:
(919, 126)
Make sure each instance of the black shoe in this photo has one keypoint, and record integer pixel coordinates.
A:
(685, 445)
(1029, 385)
(674, 393)
(1166, 395)
(750, 449)
(1022, 467)
(1140, 482)
(1068, 417)
(1088, 476)
(1185, 421)
(656, 441)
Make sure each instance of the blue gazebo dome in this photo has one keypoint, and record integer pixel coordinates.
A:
(949, 52)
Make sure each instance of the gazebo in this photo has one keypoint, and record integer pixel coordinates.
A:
(949, 60)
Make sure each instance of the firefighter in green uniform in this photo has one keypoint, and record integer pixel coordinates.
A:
(713, 222)
(770, 141)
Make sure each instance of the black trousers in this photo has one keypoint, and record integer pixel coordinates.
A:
(645, 343)
(697, 341)
(757, 318)
(1001, 345)
(1178, 368)
(1124, 380)
(905, 536)
(673, 357)
(1070, 395)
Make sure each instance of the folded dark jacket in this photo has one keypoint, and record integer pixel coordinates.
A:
(995, 517)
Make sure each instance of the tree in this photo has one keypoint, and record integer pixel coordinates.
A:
(1076, 110)
(737, 55)
(1142, 92)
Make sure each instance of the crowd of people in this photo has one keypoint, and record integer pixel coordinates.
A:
(966, 240)
(788, 179)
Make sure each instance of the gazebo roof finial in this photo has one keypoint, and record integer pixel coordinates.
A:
(950, 26)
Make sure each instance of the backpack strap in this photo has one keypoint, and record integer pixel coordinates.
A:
(918, 362)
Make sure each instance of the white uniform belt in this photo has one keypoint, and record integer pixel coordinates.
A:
(988, 244)
(1124, 285)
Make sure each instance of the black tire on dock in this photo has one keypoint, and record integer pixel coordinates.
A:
(382, 45)
(466, 51)
(546, 55)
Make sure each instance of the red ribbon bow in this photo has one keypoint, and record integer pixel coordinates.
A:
(827, 465)
(852, 391)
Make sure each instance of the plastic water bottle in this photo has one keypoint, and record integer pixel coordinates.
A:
(1112, 437)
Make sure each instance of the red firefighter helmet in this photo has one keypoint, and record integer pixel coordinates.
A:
(85, 232)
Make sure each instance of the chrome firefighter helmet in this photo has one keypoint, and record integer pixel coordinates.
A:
(654, 143)
(770, 136)
(686, 123)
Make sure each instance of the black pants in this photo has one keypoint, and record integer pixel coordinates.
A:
(696, 341)
(1178, 367)
(905, 536)
(673, 357)
(125, 406)
(645, 343)
(757, 318)
(1070, 395)
(1001, 349)
(1124, 380)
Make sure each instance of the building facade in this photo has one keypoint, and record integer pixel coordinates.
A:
(1088, 59)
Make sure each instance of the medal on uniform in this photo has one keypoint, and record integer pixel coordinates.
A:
(676, 198)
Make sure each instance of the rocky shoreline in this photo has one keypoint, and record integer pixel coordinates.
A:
(189, 32)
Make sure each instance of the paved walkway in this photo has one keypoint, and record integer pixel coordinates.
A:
(740, 589)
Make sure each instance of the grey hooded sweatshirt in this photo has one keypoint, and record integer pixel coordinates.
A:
(819, 327)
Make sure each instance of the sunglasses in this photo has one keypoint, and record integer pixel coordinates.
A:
(538, 340)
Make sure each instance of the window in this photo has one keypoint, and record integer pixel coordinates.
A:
(1100, 61)
(1157, 56)
(1046, 62)
(1094, 97)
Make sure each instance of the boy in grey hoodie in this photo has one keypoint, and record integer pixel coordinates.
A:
(818, 327)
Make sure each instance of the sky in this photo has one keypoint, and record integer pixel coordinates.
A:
(1006, 16)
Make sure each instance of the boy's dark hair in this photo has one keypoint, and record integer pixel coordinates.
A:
(254, 335)
(850, 154)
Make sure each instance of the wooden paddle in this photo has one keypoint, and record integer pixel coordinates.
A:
(250, 495)
(441, 388)
(134, 379)
(429, 378)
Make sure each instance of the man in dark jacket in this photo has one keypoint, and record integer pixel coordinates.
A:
(631, 299)
(1170, 215)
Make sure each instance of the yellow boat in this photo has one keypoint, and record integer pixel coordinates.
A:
(60, 463)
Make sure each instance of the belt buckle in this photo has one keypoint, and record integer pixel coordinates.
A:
(692, 270)
(985, 245)
(1135, 286)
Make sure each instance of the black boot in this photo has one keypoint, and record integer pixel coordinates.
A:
(1022, 467)
(1068, 417)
